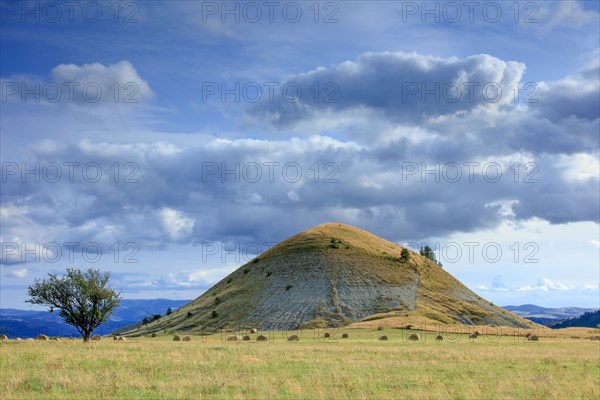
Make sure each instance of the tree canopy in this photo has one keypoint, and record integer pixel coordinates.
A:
(428, 253)
(83, 297)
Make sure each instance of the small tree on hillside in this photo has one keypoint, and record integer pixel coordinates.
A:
(405, 255)
(169, 311)
(84, 299)
(428, 253)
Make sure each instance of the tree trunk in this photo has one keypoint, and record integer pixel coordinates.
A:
(86, 336)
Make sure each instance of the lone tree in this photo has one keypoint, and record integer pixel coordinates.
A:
(405, 255)
(83, 298)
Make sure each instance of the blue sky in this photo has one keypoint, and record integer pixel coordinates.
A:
(168, 142)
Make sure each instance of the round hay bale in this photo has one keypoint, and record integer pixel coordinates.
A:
(29, 340)
(414, 337)
(344, 336)
(3, 338)
(595, 337)
(527, 336)
(121, 339)
(261, 338)
(246, 338)
(18, 339)
(176, 338)
(293, 338)
(327, 334)
(42, 338)
(55, 339)
(383, 337)
(187, 338)
(533, 338)
(233, 338)
(96, 338)
(380, 328)
(472, 336)
(115, 338)
(153, 334)
(253, 330)
(477, 333)
(439, 338)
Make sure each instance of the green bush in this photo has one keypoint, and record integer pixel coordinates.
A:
(405, 255)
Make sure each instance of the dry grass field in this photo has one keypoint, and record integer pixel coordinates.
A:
(362, 367)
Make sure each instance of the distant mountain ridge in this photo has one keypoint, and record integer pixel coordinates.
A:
(589, 320)
(547, 315)
(29, 323)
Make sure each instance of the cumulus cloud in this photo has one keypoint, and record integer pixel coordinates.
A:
(175, 223)
(545, 285)
(570, 97)
(86, 85)
(446, 108)
(401, 86)
(386, 166)
(235, 188)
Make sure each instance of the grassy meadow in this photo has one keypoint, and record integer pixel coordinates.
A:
(359, 367)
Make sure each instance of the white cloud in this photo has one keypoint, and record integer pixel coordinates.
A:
(87, 84)
(545, 285)
(18, 273)
(580, 167)
(175, 223)
(569, 13)
(118, 82)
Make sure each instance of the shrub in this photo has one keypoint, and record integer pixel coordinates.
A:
(288, 287)
(217, 300)
(246, 271)
(405, 255)
(229, 280)
(268, 274)
(214, 314)
(189, 314)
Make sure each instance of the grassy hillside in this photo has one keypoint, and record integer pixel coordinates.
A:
(333, 275)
